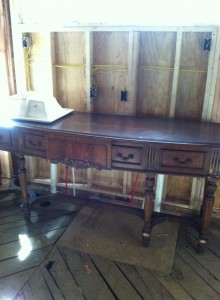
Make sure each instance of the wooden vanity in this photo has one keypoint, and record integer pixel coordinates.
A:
(149, 145)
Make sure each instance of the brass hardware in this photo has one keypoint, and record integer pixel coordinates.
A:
(121, 156)
(179, 161)
(33, 144)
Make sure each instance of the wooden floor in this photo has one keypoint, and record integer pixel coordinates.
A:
(52, 272)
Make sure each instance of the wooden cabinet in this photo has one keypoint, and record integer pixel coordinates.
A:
(153, 146)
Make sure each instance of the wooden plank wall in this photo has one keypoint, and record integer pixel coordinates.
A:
(140, 62)
(155, 76)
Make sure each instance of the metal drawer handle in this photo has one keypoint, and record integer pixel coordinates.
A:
(121, 156)
(39, 144)
(185, 161)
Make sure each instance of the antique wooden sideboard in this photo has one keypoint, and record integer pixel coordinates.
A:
(150, 145)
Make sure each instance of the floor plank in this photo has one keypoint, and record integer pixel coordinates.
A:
(11, 285)
(40, 214)
(14, 265)
(60, 273)
(91, 283)
(115, 279)
(52, 272)
(12, 249)
(207, 272)
(36, 288)
(190, 280)
(20, 296)
(51, 284)
(155, 288)
(44, 226)
(132, 275)
(172, 286)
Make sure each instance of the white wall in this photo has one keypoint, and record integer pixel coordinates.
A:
(155, 12)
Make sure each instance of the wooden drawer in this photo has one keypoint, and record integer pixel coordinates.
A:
(79, 152)
(190, 161)
(33, 143)
(127, 157)
(5, 139)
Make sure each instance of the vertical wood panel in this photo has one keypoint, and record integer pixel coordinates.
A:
(42, 168)
(108, 179)
(70, 73)
(88, 67)
(179, 188)
(157, 53)
(133, 61)
(179, 36)
(190, 95)
(192, 81)
(18, 50)
(110, 50)
(40, 63)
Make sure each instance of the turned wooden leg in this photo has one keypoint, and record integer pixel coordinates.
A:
(148, 208)
(23, 186)
(207, 208)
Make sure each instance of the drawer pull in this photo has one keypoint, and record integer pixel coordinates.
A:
(179, 161)
(121, 156)
(39, 144)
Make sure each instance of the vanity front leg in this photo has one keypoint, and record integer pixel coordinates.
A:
(148, 209)
(23, 186)
(207, 208)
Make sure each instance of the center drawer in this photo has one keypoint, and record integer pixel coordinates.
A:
(127, 157)
(78, 151)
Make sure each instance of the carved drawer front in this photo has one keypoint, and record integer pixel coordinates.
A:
(33, 143)
(5, 139)
(127, 157)
(191, 161)
(79, 152)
